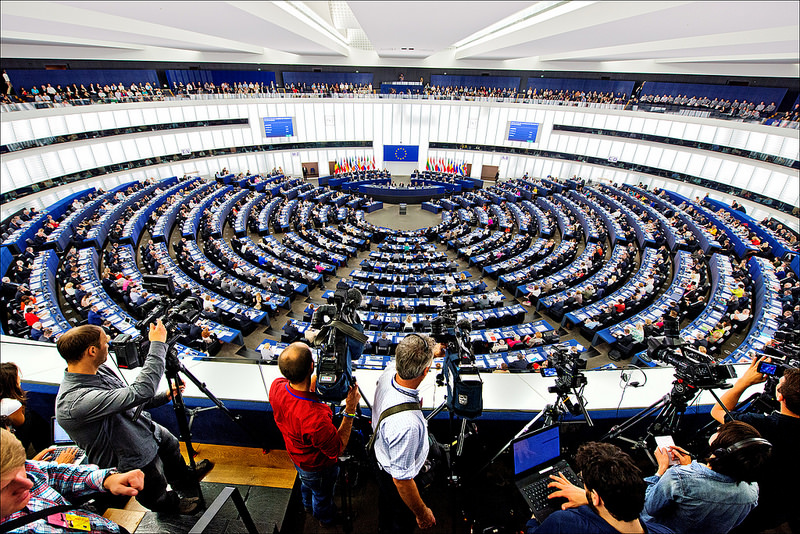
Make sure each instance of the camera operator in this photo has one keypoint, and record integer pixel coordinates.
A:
(401, 441)
(99, 412)
(611, 500)
(775, 504)
(312, 441)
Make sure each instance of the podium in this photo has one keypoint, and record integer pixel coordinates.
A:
(403, 208)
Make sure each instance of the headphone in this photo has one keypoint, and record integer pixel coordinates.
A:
(739, 445)
(626, 377)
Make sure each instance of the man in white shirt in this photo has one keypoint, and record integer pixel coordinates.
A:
(401, 439)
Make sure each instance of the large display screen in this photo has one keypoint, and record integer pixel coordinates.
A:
(525, 132)
(278, 126)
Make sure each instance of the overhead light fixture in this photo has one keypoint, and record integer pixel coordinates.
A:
(303, 12)
(522, 19)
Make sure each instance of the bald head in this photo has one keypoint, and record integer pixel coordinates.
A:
(295, 362)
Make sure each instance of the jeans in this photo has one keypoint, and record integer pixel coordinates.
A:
(316, 489)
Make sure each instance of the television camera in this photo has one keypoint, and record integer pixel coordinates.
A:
(566, 363)
(340, 340)
(131, 352)
(464, 397)
(694, 372)
(692, 367)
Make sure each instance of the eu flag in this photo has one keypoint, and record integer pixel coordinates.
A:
(400, 153)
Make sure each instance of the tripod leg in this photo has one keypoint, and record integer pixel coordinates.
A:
(185, 432)
(364, 398)
(219, 404)
(461, 437)
(182, 419)
(347, 496)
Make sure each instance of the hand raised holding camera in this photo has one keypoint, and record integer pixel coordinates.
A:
(158, 332)
(351, 402)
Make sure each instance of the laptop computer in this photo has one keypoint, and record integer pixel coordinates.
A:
(537, 455)
(62, 441)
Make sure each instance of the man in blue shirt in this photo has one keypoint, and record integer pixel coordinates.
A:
(610, 502)
(95, 317)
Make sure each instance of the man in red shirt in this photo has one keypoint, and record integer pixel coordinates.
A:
(306, 423)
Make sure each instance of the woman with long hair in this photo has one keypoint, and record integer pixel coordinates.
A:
(29, 427)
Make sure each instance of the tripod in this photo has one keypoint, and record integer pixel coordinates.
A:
(185, 416)
(552, 414)
(349, 462)
(672, 407)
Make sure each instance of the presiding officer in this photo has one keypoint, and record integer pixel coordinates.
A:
(401, 440)
(306, 423)
(98, 411)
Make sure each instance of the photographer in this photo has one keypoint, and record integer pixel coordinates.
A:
(401, 443)
(775, 504)
(312, 441)
(98, 411)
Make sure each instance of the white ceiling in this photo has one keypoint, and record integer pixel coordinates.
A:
(738, 38)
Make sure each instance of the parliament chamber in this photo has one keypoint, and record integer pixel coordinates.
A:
(534, 221)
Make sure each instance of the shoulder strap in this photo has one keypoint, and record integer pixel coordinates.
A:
(41, 514)
(404, 407)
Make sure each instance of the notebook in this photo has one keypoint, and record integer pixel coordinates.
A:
(63, 442)
(537, 455)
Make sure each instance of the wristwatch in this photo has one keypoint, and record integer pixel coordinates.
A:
(111, 471)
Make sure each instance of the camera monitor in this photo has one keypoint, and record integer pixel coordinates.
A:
(155, 283)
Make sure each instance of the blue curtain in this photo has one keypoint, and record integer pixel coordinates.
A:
(490, 82)
(27, 78)
(570, 84)
(330, 78)
(727, 92)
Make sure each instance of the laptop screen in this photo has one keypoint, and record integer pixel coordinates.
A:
(536, 449)
(60, 435)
